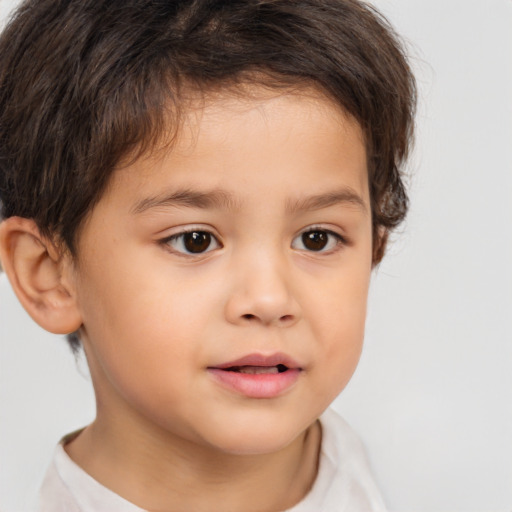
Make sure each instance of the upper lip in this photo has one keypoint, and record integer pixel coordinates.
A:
(261, 360)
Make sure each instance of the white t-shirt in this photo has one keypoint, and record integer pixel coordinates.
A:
(344, 482)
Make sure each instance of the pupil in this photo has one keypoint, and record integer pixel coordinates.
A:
(314, 240)
(197, 241)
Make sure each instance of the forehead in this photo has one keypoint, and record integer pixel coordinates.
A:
(255, 131)
(225, 113)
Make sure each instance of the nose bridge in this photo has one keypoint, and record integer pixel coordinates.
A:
(262, 287)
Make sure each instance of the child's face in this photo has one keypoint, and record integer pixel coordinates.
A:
(273, 270)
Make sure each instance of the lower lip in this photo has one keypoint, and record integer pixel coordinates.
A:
(262, 385)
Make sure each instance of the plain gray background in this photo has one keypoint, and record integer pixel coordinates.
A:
(432, 398)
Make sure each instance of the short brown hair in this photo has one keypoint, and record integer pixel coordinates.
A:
(84, 83)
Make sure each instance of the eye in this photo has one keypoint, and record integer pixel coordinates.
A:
(192, 242)
(317, 240)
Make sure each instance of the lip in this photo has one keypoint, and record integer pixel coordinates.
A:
(258, 385)
(261, 360)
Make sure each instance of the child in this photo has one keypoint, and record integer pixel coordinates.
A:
(196, 192)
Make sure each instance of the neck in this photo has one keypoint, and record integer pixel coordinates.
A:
(160, 473)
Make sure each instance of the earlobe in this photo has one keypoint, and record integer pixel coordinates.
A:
(40, 275)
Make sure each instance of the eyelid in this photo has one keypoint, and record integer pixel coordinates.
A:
(341, 240)
(182, 231)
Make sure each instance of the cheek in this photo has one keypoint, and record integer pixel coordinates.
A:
(146, 320)
(339, 321)
(142, 351)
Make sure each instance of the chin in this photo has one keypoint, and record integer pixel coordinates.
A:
(258, 437)
(257, 445)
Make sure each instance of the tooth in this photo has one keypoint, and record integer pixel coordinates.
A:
(256, 370)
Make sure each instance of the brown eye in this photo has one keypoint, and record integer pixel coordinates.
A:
(197, 241)
(192, 242)
(315, 240)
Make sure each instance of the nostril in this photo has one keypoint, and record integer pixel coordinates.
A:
(284, 318)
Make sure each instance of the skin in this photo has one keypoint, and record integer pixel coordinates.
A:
(154, 317)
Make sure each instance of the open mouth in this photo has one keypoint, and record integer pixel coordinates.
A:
(258, 370)
(258, 376)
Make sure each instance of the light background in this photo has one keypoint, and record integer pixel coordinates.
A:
(432, 398)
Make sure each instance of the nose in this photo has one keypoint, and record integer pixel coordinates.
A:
(262, 292)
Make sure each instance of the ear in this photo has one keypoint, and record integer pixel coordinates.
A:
(40, 274)
(380, 242)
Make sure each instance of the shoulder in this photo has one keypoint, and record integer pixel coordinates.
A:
(353, 481)
(340, 443)
(344, 481)
(68, 488)
(54, 495)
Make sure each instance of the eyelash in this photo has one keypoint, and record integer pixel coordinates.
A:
(339, 240)
(167, 241)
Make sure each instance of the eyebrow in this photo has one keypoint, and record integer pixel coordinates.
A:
(188, 198)
(319, 201)
(221, 199)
